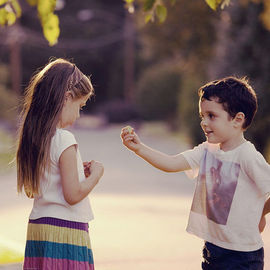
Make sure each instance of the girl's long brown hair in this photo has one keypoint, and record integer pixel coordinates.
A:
(43, 103)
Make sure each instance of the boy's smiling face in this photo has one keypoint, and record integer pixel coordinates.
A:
(218, 126)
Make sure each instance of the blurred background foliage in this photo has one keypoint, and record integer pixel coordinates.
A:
(145, 71)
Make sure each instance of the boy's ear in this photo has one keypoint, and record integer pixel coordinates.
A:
(239, 119)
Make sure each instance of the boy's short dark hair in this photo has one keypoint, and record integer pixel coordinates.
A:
(236, 95)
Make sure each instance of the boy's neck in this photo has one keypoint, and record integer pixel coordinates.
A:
(233, 143)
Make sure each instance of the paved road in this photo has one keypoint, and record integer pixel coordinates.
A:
(140, 212)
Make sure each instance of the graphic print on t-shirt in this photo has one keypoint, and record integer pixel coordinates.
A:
(215, 188)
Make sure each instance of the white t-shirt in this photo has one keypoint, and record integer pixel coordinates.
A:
(231, 190)
(50, 202)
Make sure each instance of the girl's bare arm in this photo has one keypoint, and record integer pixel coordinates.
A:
(73, 190)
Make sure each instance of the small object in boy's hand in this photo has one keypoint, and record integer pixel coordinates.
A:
(129, 129)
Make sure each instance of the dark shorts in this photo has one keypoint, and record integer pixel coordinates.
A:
(217, 258)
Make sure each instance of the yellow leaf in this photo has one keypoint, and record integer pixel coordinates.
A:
(3, 15)
(2, 2)
(51, 29)
(32, 2)
(161, 12)
(148, 18)
(17, 8)
(11, 18)
(212, 3)
(46, 6)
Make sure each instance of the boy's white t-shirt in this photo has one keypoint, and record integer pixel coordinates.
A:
(230, 194)
(51, 202)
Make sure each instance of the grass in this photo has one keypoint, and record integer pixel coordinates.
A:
(7, 150)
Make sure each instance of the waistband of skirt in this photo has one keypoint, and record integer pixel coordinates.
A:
(60, 223)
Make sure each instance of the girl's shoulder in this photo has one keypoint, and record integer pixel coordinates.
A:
(63, 138)
(62, 134)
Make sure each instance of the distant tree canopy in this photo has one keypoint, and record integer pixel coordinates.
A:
(10, 10)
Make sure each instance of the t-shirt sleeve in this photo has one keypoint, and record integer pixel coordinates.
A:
(193, 157)
(258, 170)
(63, 140)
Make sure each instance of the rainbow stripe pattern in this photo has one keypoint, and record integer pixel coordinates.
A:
(55, 244)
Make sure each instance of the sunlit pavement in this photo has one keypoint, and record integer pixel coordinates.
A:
(140, 213)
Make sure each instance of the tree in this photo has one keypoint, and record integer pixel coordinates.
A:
(10, 11)
(92, 36)
(242, 50)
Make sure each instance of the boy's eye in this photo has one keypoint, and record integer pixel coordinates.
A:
(211, 116)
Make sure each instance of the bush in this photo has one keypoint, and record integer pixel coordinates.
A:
(118, 111)
(8, 105)
(188, 110)
(8, 99)
(157, 93)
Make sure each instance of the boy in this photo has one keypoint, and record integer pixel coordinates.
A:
(233, 179)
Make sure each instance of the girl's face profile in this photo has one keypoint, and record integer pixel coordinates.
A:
(71, 110)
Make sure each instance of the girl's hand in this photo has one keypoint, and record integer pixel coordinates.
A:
(130, 139)
(96, 170)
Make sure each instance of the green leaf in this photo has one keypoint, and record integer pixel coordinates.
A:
(32, 2)
(161, 12)
(51, 29)
(148, 5)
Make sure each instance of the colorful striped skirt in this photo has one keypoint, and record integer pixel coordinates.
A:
(56, 244)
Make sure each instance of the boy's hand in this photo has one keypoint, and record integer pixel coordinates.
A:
(262, 224)
(130, 139)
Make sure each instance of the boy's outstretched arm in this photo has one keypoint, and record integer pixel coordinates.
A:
(266, 210)
(162, 161)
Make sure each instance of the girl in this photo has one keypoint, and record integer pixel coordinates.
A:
(50, 170)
